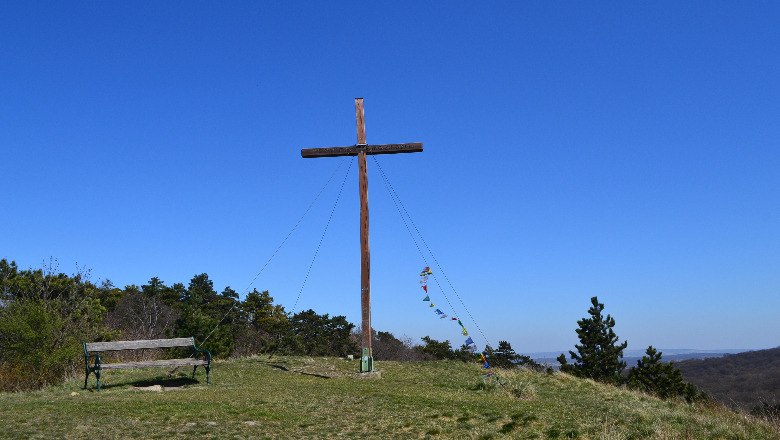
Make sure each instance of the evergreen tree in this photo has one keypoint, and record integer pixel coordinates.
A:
(504, 356)
(202, 312)
(157, 289)
(437, 349)
(319, 335)
(260, 325)
(259, 311)
(598, 356)
(466, 353)
(663, 379)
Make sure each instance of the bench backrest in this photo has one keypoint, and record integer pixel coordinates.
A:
(135, 345)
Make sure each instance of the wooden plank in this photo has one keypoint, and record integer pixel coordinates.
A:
(360, 120)
(136, 345)
(353, 150)
(152, 364)
(412, 147)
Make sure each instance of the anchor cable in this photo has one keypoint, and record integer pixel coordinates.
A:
(322, 238)
(276, 251)
(397, 202)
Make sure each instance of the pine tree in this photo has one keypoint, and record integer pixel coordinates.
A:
(598, 356)
(437, 349)
(652, 375)
(504, 356)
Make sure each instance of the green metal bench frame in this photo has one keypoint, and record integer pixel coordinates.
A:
(94, 349)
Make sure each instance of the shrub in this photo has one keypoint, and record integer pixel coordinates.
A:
(36, 346)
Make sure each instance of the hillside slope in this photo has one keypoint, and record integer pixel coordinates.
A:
(323, 398)
(740, 380)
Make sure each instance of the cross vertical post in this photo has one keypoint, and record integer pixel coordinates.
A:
(367, 358)
(361, 150)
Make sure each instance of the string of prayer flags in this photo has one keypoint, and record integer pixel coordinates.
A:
(424, 274)
(463, 328)
(469, 342)
(485, 363)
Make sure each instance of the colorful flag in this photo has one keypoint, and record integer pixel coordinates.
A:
(432, 305)
(465, 333)
(427, 298)
(438, 312)
(469, 341)
(425, 288)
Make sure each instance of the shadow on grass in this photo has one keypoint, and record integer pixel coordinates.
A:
(165, 382)
(284, 368)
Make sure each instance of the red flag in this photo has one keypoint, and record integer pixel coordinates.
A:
(425, 288)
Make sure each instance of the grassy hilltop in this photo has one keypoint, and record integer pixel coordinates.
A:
(293, 397)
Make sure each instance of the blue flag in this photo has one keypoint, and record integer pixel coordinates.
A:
(469, 341)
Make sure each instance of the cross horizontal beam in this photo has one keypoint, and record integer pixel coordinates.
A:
(414, 147)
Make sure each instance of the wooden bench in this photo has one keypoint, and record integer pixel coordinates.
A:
(94, 349)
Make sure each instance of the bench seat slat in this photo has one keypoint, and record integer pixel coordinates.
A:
(135, 345)
(157, 363)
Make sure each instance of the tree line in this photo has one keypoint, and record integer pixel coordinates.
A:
(45, 315)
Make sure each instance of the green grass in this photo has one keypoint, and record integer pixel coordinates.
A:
(295, 397)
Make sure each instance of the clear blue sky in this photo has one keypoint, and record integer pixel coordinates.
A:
(629, 150)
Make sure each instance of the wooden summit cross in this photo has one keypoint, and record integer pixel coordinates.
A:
(361, 150)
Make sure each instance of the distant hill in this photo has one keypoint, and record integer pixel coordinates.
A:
(738, 380)
(631, 356)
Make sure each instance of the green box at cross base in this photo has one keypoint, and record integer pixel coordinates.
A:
(366, 362)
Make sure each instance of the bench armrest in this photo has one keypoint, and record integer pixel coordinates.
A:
(206, 354)
(88, 355)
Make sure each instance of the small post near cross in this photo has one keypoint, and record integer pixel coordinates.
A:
(361, 149)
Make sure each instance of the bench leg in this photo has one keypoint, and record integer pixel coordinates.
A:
(85, 380)
(208, 374)
(193, 371)
(97, 374)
